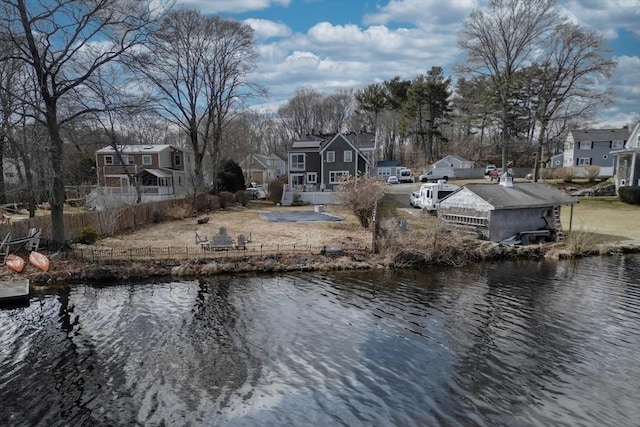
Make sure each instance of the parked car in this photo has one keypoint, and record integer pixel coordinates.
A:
(415, 199)
(489, 168)
(393, 180)
(495, 174)
(257, 192)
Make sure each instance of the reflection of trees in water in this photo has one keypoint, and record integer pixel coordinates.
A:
(515, 342)
(224, 362)
(59, 379)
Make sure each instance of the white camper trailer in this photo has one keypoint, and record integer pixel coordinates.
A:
(432, 193)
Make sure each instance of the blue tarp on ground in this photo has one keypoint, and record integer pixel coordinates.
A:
(299, 216)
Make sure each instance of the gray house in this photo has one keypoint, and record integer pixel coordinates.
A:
(627, 161)
(318, 162)
(455, 162)
(500, 211)
(587, 147)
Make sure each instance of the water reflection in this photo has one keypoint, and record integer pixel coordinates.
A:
(513, 343)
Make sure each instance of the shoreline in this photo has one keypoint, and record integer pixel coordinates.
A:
(71, 271)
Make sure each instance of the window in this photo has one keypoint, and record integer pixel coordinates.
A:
(586, 145)
(335, 177)
(297, 161)
(146, 160)
(348, 156)
(584, 161)
(108, 160)
(331, 156)
(617, 144)
(177, 160)
(127, 160)
(312, 177)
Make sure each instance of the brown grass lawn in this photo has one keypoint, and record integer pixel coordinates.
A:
(606, 219)
(244, 220)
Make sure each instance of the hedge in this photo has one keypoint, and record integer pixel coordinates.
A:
(630, 195)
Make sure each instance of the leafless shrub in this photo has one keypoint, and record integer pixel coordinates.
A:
(226, 198)
(566, 174)
(592, 172)
(583, 243)
(435, 245)
(360, 195)
(546, 173)
(177, 212)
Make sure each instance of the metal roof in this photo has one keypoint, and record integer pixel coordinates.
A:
(156, 172)
(524, 195)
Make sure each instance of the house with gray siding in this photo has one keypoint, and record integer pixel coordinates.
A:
(627, 160)
(318, 162)
(455, 162)
(159, 172)
(593, 147)
(500, 211)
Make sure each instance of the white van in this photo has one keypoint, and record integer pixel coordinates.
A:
(405, 175)
(437, 174)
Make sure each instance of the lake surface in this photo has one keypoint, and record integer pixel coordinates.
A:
(509, 343)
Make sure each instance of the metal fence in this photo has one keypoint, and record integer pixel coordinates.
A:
(175, 253)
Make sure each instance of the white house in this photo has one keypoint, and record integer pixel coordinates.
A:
(627, 160)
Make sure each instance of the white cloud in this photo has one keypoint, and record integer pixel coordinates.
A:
(231, 6)
(607, 16)
(265, 29)
(626, 82)
(400, 38)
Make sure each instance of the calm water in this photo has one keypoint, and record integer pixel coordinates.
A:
(512, 343)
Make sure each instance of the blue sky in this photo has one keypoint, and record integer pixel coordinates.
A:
(334, 44)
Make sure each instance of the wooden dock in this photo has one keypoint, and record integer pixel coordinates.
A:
(14, 291)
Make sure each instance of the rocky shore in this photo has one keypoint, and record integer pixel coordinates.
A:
(66, 270)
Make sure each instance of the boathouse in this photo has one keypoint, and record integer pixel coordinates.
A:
(524, 211)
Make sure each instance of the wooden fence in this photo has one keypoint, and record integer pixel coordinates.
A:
(175, 253)
(108, 222)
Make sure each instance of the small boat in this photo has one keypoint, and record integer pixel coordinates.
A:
(39, 260)
(15, 263)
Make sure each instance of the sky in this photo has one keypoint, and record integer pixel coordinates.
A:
(348, 44)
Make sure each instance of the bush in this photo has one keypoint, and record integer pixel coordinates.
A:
(156, 216)
(177, 212)
(566, 174)
(243, 197)
(226, 199)
(592, 172)
(88, 235)
(361, 196)
(276, 189)
(546, 173)
(630, 195)
(297, 200)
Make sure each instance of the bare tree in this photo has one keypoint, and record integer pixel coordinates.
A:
(66, 43)
(199, 67)
(503, 40)
(569, 78)
(300, 115)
